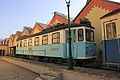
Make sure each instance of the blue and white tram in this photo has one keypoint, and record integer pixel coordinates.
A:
(52, 43)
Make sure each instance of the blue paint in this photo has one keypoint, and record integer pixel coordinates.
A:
(53, 50)
(59, 50)
(90, 49)
(111, 49)
(84, 49)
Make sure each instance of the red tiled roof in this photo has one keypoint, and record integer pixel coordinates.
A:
(111, 13)
(106, 4)
(58, 16)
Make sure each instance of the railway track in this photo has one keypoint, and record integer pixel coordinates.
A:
(96, 66)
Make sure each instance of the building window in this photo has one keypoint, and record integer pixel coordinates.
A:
(111, 30)
(45, 39)
(36, 41)
(25, 43)
(56, 38)
(20, 43)
(29, 42)
(89, 35)
(80, 35)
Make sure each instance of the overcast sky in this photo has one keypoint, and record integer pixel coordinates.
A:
(15, 14)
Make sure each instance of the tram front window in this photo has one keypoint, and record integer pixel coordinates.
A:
(80, 35)
(89, 35)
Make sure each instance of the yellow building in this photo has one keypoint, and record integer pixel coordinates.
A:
(10, 44)
(38, 27)
(4, 47)
(111, 25)
(111, 38)
(13, 39)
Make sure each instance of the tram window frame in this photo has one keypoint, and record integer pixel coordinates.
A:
(36, 41)
(29, 42)
(25, 43)
(56, 39)
(111, 31)
(82, 35)
(89, 36)
(45, 40)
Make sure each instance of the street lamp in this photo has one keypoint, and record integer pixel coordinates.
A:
(70, 59)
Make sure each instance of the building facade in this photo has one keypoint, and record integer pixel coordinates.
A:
(4, 47)
(111, 38)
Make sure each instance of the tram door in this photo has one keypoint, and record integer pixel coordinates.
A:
(73, 44)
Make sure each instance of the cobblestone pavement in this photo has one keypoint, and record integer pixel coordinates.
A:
(12, 72)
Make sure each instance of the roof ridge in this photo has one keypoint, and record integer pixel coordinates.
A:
(62, 15)
(112, 1)
(111, 13)
(42, 25)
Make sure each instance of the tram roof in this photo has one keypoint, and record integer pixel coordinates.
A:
(55, 28)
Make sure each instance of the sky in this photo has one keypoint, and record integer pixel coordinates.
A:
(15, 14)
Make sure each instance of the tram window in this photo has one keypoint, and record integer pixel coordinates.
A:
(56, 38)
(25, 43)
(89, 35)
(29, 42)
(111, 30)
(36, 41)
(20, 43)
(80, 35)
(45, 39)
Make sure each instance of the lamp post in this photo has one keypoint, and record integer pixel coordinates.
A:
(70, 59)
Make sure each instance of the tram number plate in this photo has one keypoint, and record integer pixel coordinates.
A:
(54, 49)
(29, 49)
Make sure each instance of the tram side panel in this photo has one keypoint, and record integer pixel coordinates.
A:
(48, 50)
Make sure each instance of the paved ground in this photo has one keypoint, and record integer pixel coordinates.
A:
(12, 72)
(99, 72)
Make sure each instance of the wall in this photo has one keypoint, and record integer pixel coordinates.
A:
(116, 18)
(3, 47)
(94, 16)
(112, 46)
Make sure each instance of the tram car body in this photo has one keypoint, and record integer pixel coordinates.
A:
(53, 43)
(111, 39)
